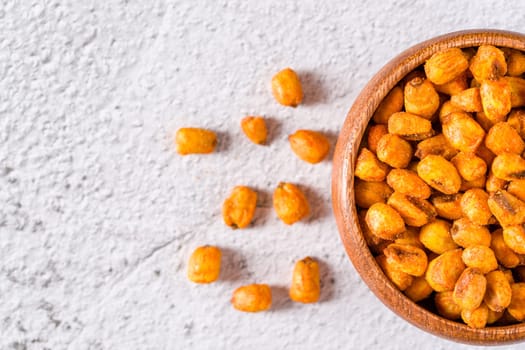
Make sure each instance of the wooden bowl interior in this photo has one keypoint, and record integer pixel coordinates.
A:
(343, 182)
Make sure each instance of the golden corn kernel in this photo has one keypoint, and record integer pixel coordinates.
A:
(195, 141)
(476, 318)
(517, 91)
(392, 103)
(446, 306)
(484, 121)
(252, 298)
(394, 151)
(469, 166)
(446, 65)
(368, 192)
(375, 132)
(419, 289)
(463, 132)
(436, 237)
(238, 209)
(488, 63)
(384, 221)
(369, 168)
(480, 257)
(399, 278)
(496, 99)
(204, 265)
(474, 205)
(446, 108)
(494, 316)
(290, 203)
(286, 88)
(406, 258)
(517, 189)
(468, 100)
(414, 211)
(448, 206)
(454, 86)
(517, 121)
(498, 292)
(508, 166)
(503, 138)
(466, 234)
(508, 273)
(516, 63)
(421, 97)
(507, 209)
(494, 183)
(409, 237)
(470, 289)
(375, 243)
(410, 126)
(439, 173)
(306, 285)
(476, 183)
(310, 146)
(443, 272)
(255, 129)
(505, 256)
(408, 182)
(514, 237)
(437, 145)
(516, 307)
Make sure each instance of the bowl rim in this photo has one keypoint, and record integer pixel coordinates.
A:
(343, 201)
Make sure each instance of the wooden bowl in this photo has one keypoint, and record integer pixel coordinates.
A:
(343, 182)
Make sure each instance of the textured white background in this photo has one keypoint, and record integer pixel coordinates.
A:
(98, 214)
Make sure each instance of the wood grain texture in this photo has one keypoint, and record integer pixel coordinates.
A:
(343, 200)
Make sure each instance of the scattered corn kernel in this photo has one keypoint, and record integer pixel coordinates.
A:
(306, 286)
(290, 203)
(204, 265)
(195, 141)
(238, 209)
(310, 146)
(252, 298)
(286, 88)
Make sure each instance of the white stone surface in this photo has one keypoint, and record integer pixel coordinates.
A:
(98, 214)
